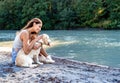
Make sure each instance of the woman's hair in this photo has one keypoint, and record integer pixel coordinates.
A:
(30, 23)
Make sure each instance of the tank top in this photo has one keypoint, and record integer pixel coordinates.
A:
(17, 41)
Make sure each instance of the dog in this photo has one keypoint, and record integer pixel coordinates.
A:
(24, 60)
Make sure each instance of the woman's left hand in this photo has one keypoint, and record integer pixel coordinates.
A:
(40, 37)
(35, 47)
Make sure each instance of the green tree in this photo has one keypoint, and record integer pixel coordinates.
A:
(61, 14)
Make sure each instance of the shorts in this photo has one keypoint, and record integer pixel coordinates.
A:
(14, 54)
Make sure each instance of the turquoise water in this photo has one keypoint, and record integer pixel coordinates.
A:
(99, 47)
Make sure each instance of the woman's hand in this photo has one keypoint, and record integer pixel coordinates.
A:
(36, 46)
(40, 37)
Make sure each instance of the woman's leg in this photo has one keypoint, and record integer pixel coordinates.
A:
(43, 52)
(47, 58)
(14, 54)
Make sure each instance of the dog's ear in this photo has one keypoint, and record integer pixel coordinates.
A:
(45, 35)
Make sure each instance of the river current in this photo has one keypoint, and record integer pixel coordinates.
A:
(94, 46)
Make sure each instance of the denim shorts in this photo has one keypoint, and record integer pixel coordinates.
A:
(14, 54)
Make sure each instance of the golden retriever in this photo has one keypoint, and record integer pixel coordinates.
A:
(24, 60)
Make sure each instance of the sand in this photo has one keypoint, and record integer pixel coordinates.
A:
(62, 71)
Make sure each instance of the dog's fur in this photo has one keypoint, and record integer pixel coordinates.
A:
(24, 60)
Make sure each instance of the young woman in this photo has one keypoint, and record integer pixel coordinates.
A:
(23, 37)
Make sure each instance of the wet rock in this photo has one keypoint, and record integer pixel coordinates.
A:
(13, 75)
(54, 79)
(118, 81)
(3, 75)
(62, 71)
(115, 80)
(8, 70)
(38, 75)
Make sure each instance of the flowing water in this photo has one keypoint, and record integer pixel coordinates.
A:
(96, 46)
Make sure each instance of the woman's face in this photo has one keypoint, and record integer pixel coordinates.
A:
(37, 27)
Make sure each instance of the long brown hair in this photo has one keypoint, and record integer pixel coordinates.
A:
(30, 23)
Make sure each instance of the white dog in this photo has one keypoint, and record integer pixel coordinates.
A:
(24, 60)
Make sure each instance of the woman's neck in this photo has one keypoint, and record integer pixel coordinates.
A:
(30, 30)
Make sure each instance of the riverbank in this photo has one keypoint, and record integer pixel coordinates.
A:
(6, 44)
(62, 71)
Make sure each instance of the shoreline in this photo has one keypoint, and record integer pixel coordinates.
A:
(62, 71)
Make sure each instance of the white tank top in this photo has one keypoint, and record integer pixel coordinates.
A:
(18, 42)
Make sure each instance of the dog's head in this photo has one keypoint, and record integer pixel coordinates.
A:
(45, 39)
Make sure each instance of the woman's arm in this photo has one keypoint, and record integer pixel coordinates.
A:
(35, 47)
(27, 47)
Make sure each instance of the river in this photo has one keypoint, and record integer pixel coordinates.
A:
(94, 46)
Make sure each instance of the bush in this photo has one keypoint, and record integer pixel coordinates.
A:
(60, 14)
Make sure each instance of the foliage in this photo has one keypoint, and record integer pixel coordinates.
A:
(60, 14)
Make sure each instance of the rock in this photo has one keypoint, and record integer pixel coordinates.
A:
(62, 71)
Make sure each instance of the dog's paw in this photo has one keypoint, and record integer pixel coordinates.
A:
(33, 65)
(39, 63)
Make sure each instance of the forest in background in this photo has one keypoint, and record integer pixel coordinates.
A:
(60, 14)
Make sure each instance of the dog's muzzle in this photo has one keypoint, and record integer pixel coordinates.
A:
(49, 42)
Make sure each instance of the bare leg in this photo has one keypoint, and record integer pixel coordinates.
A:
(43, 52)
(47, 58)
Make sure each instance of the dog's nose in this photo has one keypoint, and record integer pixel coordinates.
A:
(49, 42)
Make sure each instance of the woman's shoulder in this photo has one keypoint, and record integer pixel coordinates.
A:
(24, 32)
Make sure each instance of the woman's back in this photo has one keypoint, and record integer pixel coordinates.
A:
(18, 42)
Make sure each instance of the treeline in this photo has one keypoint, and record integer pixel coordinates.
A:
(61, 14)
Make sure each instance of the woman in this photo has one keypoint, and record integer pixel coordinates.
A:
(22, 40)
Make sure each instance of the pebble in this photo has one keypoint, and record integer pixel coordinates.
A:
(63, 71)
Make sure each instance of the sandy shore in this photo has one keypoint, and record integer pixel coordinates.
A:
(62, 71)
